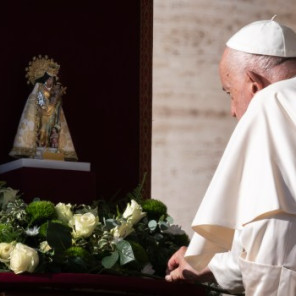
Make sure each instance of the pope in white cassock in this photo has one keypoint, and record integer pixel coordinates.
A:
(245, 227)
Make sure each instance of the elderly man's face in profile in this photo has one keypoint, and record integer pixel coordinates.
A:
(236, 83)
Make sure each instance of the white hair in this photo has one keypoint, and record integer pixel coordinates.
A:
(261, 64)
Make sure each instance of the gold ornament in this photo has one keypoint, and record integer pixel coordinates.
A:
(39, 66)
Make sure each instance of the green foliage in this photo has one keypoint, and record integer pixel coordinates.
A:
(181, 239)
(4, 228)
(44, 226)
(152, 224)
(43, 229)
(40, 211)
(136, 194)
(9, 234)
(110, 261)
(159, 257)
(77, 252)
(14, 213)
(154, 208)
(139, 253)
(59, 236)
(117, 241)
(125, 251)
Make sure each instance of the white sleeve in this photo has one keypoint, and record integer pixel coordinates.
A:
(268, 262)
(226, 270)
(262, 258)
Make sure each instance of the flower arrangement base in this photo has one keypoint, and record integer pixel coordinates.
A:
(74, 284)
(57, 181)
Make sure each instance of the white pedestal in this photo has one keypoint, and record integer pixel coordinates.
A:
(54, 180)
(44, 164)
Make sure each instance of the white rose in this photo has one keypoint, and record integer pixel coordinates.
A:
(44, 247)
(83, 225)
(122, 230)
(133, 212)
(64, 212)
(5, 251)
(23, 258)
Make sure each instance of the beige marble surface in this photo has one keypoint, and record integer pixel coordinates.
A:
(191, 120)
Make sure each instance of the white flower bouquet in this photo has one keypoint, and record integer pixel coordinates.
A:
(133, 236)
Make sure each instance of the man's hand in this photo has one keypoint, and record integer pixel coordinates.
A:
(179, 269)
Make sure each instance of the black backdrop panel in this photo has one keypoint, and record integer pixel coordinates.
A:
(97, 44)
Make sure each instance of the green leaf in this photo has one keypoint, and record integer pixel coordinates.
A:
(102, 243)
(152, 225)
(111, 223)
(169, 219)
(158, 237)
(76, 264)
(163, 225)
(109, 261)
(126, 253)
(59, 236)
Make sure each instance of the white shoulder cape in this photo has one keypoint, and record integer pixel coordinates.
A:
(256, 176)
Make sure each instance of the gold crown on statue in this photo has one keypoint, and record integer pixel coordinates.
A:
(39, 66)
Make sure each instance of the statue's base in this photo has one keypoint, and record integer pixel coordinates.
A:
(58, 181)
(49, 153)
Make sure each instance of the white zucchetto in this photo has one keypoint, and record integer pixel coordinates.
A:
(266, 37)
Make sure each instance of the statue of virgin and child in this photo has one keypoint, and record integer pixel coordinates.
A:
(43, 132)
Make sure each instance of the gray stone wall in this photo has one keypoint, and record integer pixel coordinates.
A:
(191, 117)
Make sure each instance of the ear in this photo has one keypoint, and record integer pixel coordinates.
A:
(257, 81)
